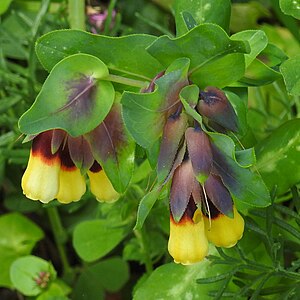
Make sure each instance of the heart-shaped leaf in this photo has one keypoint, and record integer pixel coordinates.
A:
(73, 98)
(95, 238)
(31, 275)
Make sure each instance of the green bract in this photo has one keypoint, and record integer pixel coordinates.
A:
(215, 59)
(73, 98)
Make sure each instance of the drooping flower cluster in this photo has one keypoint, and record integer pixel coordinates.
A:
(201, 206)
(56, 169)
(197, 218)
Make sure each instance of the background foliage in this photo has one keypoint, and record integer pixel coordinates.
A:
(102, 251)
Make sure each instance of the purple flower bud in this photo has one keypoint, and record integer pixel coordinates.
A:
(199, 149)
(216, 107)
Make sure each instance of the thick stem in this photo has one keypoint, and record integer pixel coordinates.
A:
(77, 14)
(60, 237)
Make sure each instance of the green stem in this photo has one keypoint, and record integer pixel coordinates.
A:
(109, 18)
(77, 14)
(60, 237)
(145, 249)
(126, 81)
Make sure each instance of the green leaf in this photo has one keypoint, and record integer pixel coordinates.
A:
(258, 74)
(109, 275)
(26, 271)
(291, 8)
(174, 281)
(18, 236)
(291, 75)
(240, 109)
(246, 158)
(145, 113)
(206, 43)
(278, 159)
(257, 40)
(220, 72)
(189, 96)
(272, 56)
(146, 205)
(57, 290)
(94, 239)
(125, 54)
(246, 188)
(4, 5)
(114, 148)
(141, 171)
(205, 11)
(72, 94)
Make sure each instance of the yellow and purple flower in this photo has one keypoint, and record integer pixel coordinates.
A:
(56, 169)
(201, 207)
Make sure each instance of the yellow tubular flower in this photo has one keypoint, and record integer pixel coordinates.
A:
(224, 231)
(101, 186)
(41, 178)
(71, 183)
(188, 243)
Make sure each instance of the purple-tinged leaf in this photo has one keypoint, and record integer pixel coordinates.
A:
(181, 189)
(219, 195)
(215, 106)
(145, 114)
(200, 153)
(246, 188)
(73, 98)
(113, 148)
(172, 135)
(178, 160)
(58, 137)
(197, 194)
(151, 87)
(81, 153)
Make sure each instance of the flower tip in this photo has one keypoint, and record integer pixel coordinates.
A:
(112, 199)
(214, 105)
(223, 231)
(187, 243)
(101, 187)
